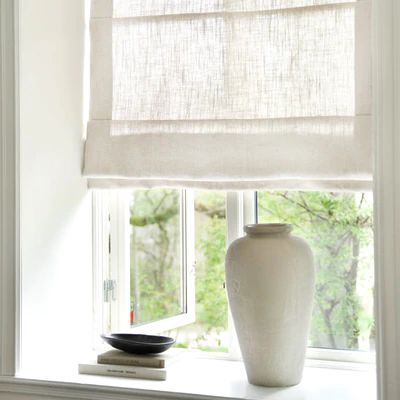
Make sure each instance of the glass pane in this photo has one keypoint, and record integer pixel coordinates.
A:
(338, 226)
(156, 261)
(209, 333)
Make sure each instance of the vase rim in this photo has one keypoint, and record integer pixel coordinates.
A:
(262, 229)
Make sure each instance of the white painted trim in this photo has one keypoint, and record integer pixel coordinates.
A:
(386, 84)
(189, 257)
(9, 186)
(120, 259)
(240, 210)
(37, 389)
(343, 356)
(100, 256)
(163, 325)
(220, 379)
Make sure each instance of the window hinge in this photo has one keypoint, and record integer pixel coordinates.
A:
(109, 286)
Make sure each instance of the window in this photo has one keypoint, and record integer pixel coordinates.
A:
(338, 227)
(147, 270)
(173, 276)
(157, 262)
(210, 330)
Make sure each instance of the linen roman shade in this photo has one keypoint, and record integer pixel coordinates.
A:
(230, 94)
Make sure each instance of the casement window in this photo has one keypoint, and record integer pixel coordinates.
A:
(163, 270)
(145, 259)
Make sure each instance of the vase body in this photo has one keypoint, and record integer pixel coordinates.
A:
(270, 282)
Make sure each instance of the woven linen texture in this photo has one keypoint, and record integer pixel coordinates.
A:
(230, 94)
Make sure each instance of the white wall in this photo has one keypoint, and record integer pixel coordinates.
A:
(55, 204)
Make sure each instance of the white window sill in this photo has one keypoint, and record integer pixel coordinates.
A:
(200, 378)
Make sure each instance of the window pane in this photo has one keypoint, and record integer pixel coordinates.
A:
(338, 226)
(156, 261)
(209, 333)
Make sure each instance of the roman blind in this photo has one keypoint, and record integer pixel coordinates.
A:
(230, 94)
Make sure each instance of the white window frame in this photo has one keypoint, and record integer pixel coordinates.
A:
(111, 230)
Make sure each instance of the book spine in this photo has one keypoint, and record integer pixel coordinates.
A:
(123, 371)
(150, 363)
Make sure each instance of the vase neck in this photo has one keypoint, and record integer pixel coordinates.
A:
(268, 229)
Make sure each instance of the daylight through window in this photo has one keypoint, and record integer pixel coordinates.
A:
(338, 226)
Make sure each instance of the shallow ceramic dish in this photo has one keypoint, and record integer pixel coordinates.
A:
(138, 344)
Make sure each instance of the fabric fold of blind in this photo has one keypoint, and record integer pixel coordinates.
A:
(230, 94)
(151, 8)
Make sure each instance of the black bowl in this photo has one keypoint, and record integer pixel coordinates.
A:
(138, 344)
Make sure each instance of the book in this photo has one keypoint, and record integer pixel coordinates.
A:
(125, 371)
(117, 357)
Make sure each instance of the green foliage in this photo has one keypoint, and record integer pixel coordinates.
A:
(338, 227)
(218, 349)
(155, 254)
(181, 345)
(212, 309)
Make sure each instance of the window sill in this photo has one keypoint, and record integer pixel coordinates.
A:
(199, 378)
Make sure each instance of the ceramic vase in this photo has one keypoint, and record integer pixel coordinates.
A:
(270, 283)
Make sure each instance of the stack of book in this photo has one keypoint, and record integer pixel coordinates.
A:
(119, 363)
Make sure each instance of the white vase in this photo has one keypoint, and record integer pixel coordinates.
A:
(270, 283)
